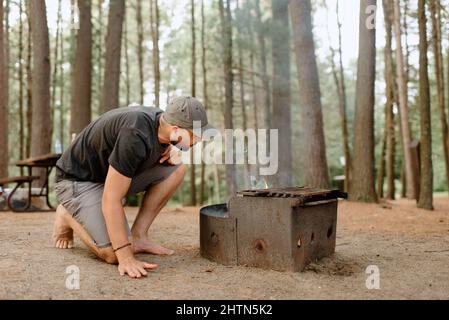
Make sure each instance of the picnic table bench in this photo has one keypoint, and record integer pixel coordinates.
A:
(48, 162)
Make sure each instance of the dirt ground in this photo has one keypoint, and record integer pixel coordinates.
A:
(409, 246)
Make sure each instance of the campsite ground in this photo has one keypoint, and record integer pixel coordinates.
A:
(409, 246)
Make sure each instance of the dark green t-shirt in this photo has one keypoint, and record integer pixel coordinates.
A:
(125, 138)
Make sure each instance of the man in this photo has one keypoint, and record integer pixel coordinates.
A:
(125, 151)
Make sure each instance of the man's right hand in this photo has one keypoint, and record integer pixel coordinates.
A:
(134, 268)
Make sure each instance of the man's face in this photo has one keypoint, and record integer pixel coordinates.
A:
(183, 139)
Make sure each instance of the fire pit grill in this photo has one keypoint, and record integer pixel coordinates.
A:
(280, 228)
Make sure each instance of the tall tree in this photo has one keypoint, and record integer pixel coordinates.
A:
(193, 91)
(62, 107)
(111, 82)
(339, 79)
(313, 142)
(42, 123)
(435, 10)
(140, 52)
(100, 48)
(154, 22)
(80, 105)
(425, 200)
(3, 105)
(205, 93)
(226, 30)
(127, 68)
(54, 75)
(261, 35)
(29, 113)
(281, 89)
(241, 77)
(361, 187)
(406, 134)
(21, 88)
(390, 95)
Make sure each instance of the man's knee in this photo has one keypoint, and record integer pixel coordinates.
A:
(108, 255)
(180, 172)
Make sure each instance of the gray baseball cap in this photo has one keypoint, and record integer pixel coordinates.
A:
(184, 110)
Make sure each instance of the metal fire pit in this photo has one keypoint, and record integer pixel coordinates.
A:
(279, 229)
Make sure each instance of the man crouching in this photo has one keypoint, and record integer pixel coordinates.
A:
(125, 151)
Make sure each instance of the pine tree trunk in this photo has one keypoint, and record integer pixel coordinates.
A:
(29, 113)
(410, 177)
(80, 106)
(361, 186)
(281, 94)
(154, 16)
(4, 159)
(42, 124)
(314, 147)
(100, 50)
(140, 50)
(193, 82)
(62, 110)
(205, 94)
(390, 95)
(21, 86)
(54, 76)
(241, 78)
(111, 84)
(339, 79)
(426, 172)
(435, 10)
(261, 34)
(343, 107)
(225, 19)
(127, 70)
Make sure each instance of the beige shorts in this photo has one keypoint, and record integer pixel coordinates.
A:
(82, 199)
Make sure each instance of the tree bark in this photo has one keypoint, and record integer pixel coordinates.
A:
(281, 94)
(410, 177)
(361, 186)
(80, 107)
(205, 93)
(261, 34)
(29, 113)
(4, 159)
(314, 146)
(154, 8)
(241, 78)
(111, 84)
(54, 76)
(390, 95)
(21, 87)
(193, 82)
(140, 52)
(226, 29)
(435, 10)
(42, 123)
(425, 200)
(127, 70)
(339, 79)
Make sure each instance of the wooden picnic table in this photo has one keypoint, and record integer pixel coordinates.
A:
(48, 162)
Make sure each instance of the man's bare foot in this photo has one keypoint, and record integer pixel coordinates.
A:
(62, 232)
(144, 245)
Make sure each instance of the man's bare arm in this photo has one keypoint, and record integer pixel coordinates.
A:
(115, 189)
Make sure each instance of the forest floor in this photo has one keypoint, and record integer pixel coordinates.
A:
(409, 246)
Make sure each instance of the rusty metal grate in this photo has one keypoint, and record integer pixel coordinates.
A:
(305, 195)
